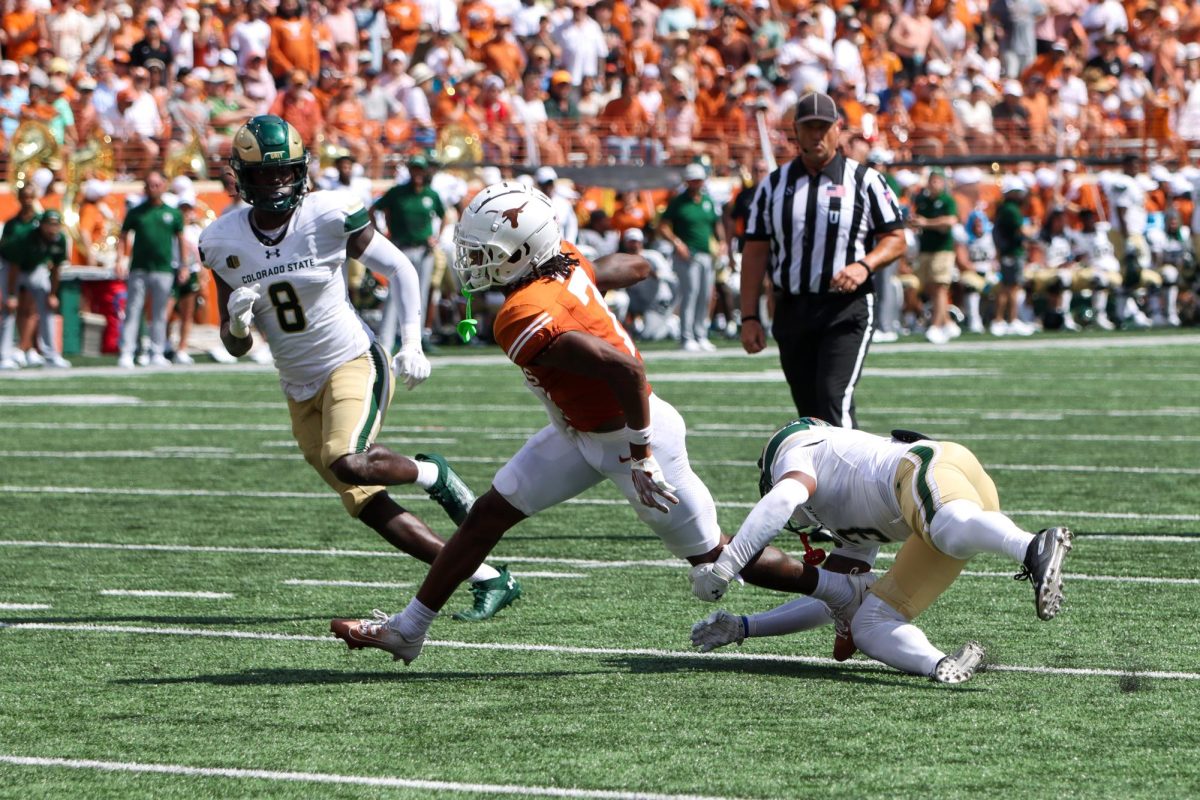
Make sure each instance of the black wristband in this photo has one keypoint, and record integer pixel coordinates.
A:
(752, 318)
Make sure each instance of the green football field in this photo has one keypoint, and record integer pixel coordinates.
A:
(169, 566)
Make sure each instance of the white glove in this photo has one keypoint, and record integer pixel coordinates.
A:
(651, 484)
(709, 581)
(411, 366)
(717, 630)
(241, 309)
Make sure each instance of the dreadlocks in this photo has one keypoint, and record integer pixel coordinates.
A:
(558, 266)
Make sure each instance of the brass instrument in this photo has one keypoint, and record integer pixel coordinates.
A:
(329, 152)
(189, 160)
(459, 146)
(33, 146)
(91, 159)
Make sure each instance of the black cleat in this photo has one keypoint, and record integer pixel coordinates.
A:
(1043, 568)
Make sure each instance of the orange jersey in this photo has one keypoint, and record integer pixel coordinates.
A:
(538, 313)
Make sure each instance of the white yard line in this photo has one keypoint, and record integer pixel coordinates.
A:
(328, 497)
(351, 584)
(158, 593)
(578, 563)
(25, 607)
(219, 454)
(385, 782)
(564, 649)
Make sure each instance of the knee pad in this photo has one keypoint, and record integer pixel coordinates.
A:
(1170, 275)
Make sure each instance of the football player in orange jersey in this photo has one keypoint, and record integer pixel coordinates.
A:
(605, 422)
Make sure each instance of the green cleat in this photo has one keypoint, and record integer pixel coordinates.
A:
(491, 596)
(450, 492)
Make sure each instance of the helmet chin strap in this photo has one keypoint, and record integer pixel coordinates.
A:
(469, 326)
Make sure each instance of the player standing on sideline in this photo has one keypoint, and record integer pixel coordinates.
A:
(278, 264)
(604, 420)
(868, 490)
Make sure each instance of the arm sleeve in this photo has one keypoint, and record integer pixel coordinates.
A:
(763, 524)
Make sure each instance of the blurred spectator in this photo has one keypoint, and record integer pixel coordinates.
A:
(503, 54)
(564, 210)
(250, 35)
(299, 106)
(404, 22)
(582, 43)
(626, 125)
(151, 47)
(292, 44)
(22, 28)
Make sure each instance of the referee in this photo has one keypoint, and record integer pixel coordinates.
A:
(819, 225)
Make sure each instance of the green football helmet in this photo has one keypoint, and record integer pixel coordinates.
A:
(271, 164)
(766, 461)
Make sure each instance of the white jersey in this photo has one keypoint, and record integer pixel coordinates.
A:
(1095, 250)
(304, 311)
(855, 474)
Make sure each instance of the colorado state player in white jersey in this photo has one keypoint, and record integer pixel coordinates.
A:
(278, 263)
(868, 490)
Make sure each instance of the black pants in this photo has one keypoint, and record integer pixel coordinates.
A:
(823, 341)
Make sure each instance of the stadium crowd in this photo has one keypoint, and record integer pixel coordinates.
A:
(372, 85)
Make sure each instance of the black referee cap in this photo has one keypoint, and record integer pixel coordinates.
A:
(816, 105)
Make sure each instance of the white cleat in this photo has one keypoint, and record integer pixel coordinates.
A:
(221, 356)
(374, 632)
(183, 358)
(717, 630)
(960, 667)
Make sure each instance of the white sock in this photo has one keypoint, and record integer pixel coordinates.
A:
(1064, 302)
(885, 635)
(833, 588)
(801, 614)
(427, 473)
(484, 573)
(973, 308)
(961, 529)
(414, 620)
(1100, 301)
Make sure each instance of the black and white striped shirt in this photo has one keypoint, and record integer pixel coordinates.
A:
(817, 225)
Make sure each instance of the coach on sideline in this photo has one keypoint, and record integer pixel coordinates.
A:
(811, 221)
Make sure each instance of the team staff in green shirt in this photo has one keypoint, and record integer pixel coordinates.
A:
(414, 215)
(151, 236)
(36, 255)
(692, 225)
(24, 219)
(934, 215)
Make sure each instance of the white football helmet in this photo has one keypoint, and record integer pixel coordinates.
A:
(508, 229)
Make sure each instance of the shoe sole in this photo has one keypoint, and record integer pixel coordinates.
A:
(1049, 597)
(951, 671)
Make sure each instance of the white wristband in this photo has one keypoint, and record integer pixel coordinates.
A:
(410, 336)
(639, 435)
